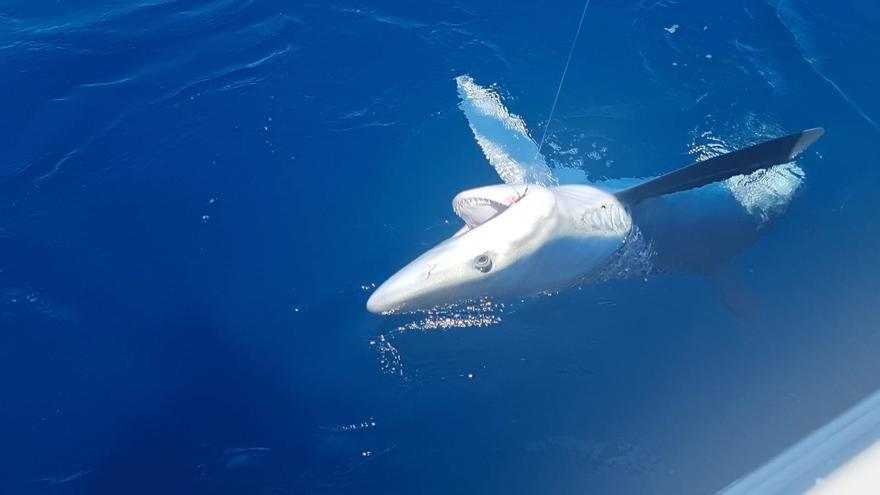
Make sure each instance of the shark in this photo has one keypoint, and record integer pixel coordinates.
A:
(535, 233)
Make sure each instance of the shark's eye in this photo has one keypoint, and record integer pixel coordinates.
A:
(483, 263)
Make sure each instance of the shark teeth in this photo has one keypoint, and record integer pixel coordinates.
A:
(463, 203)
(475, 210)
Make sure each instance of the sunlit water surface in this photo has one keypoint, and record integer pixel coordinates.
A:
(198, 196)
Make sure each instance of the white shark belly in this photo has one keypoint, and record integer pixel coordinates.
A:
(590, 227)
(560, 264)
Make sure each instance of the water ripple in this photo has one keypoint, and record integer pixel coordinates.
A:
(122, 69)
(795, 23)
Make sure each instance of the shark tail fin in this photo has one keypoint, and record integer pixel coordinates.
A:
(743, 161)
(734, 294)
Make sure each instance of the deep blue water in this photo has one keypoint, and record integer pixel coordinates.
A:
(196, 196)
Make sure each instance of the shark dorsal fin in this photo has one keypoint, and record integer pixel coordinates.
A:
(743, 161)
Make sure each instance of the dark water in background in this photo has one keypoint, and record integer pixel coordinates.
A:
(194, 192)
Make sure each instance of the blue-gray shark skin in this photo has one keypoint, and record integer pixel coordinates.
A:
(700, 229)
(532, 235)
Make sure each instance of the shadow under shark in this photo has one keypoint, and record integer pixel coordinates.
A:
(529, 235)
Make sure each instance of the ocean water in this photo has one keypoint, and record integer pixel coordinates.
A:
(198, 196)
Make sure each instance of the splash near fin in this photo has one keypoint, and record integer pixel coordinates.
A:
(739, 162)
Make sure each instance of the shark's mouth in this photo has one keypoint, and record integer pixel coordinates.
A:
(478, 206)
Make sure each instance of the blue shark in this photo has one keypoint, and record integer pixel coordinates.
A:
(544, 230)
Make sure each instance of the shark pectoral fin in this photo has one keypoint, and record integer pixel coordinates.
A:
(721, 167)
(734, 294)
(502, 136)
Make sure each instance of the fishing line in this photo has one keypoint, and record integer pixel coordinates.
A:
(562, 79)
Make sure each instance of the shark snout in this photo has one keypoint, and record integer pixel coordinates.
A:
(399, 291)
(380, 301)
